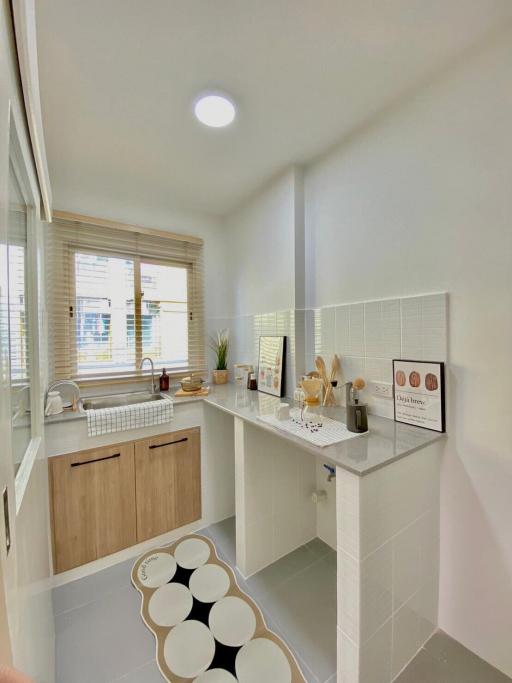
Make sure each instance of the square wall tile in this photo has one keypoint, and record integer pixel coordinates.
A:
(435, 323)
(317, 331)
(376, 591)
(357, 343)
(342, 331)
(429, 539)
(349, 593)
(352, 367)
(424, 327)
(406, 637)
(379, 370)
(407, 572)
(348, 512)
(382, 329)
(268, 324)
(349, 330)
(327, 323)
(309, 331)
(426, 605)
(348, 659)
(375, 657)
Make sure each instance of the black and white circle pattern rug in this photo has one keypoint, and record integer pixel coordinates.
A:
(207, 630)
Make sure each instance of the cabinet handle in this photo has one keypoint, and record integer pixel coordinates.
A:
(88, 462)
(170, 443)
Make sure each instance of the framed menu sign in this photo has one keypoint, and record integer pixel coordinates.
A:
(419, 393)
(271, 365)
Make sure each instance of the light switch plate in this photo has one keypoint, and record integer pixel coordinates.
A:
(382, 389)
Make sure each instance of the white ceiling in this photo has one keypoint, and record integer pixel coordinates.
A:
(118, 78)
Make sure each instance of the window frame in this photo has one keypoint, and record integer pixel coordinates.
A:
(137, 374)
(21, 160)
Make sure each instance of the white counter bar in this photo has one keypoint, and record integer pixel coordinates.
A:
(385, 441)
(387, 513)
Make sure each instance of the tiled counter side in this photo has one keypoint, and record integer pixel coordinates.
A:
(388, 565)
(387, 498)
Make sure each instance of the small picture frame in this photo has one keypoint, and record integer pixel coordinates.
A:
(419, 394)
(271, 365)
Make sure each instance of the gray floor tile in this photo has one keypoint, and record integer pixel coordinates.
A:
(319, 548)
(223, 535)
(308, 674)
(102, 640)
(463, 664)
(273, 576)
(425, 669)
(149, 673)
(93, 587)
(307, 617)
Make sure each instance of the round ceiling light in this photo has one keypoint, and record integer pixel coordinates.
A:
(215, 110)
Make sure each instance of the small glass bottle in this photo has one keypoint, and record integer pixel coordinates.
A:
(252, 383)
(164, 381)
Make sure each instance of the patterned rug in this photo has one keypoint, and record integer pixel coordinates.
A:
(207, 630)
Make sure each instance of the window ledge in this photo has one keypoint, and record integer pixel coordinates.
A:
(138, 378)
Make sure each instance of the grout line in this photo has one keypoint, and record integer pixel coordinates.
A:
(390, 538)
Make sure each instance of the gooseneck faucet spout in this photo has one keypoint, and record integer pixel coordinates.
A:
(153, 383)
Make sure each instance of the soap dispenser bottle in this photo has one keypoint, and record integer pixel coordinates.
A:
(164, 381)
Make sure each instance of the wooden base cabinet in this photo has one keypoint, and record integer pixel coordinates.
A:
(168, 475)
(107, 499)
(93, 504)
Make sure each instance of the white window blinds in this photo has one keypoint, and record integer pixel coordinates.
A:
(116, 295)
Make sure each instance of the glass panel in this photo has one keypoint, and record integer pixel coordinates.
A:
(105, 332)
(18, 319)
(165, 314)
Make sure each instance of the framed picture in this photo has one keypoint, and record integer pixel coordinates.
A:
(271, 365)
(418, 388)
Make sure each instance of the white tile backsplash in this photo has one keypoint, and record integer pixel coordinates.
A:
(327, 344)
(367, 336)
(382, 329)
(424, 323)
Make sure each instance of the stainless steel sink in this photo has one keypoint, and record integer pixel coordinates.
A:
(116, 400)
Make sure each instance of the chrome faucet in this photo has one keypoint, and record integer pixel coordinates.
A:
(153, 383)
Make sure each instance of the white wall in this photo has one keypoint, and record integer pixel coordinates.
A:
(421, 201)
(26, 571)
(260, 250)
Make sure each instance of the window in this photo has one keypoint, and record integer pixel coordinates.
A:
(15, 307)
(126, 296)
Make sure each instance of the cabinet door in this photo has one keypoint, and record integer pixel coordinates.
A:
(168, 482)
(93, 504)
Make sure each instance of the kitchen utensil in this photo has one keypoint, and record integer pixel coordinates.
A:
(204, 391)
(312, 388)
(192, 383)
(329, 399)
(54, 404)
(69, 392)
(282, 411)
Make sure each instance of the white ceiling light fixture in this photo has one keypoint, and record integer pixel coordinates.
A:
(215, 110)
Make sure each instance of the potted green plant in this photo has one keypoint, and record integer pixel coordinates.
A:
(220, 346)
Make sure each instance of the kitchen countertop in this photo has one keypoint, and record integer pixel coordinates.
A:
(385, 442)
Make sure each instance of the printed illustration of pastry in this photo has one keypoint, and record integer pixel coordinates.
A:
(414, 379)
(431, 382)
(400, 378)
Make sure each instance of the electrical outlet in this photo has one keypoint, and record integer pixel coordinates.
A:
(382, 389)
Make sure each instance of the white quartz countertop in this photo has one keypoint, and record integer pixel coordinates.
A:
(385, 442)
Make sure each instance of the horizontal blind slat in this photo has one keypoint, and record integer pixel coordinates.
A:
(93, 294)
